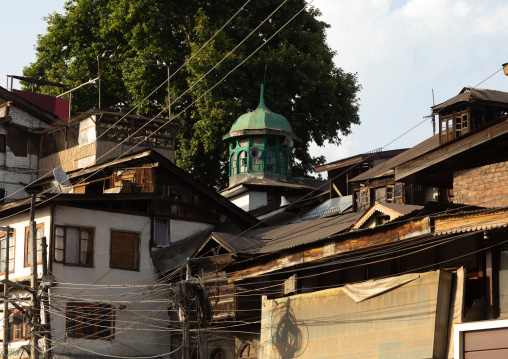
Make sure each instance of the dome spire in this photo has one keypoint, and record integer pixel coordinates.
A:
(262, 97)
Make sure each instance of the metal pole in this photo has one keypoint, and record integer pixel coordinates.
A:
(33, 281)
(169, 97)
(99, 80)
(6, 300)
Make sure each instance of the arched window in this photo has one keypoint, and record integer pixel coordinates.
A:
(218, 354)
(256, 160)
(282, 163)
(271, 161)
(234, 164)
(243, 162)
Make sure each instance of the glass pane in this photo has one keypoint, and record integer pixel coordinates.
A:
(59, 242)
(72, 246)
(257, 141)
(161, 233)
(59, 255)
(85, 235)
(59, 231)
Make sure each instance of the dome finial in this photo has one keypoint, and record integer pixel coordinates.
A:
(262, 96)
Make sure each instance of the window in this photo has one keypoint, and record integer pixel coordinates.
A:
(389, 194)
(17, 330)
(3, 251)
(398, 191)
(271, 161)
(161, 232)
(243, 161)
(124, 250)
(90, 321)
(234, 164)
(74, 245)
(364, 198)
(282, 163)
(39, 233)
(256, 164)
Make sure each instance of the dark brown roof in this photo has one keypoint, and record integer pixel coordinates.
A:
(386, 168)
(369, 156)
(292, 235)
(29, 107)
(468, 95)
(238, 244)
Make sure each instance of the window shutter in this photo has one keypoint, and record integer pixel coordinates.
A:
(124, 250)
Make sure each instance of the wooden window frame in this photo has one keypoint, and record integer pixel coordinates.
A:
(93, 323)
(27, 233)
(21, 328)
(81, 230)
(12, 244)
(136, 252)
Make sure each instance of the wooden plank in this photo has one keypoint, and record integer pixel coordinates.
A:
(453, 149)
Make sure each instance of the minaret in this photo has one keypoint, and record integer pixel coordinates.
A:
(260, 145)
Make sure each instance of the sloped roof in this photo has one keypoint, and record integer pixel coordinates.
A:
(29, 107)
(469, 94)
(386, 168)
(394, 210)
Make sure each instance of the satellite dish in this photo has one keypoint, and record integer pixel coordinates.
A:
(61, 176)
(256, 152)
(288, 142)
(61, 183)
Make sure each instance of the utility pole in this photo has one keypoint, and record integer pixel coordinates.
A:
(33, 282)
(45, 301)
(6, 299)
(186, 321)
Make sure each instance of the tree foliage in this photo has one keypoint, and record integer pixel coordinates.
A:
(302, 83)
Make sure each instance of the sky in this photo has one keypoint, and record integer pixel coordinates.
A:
(401, 51)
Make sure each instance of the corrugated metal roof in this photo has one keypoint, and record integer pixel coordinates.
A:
(169, 258)
(468, 94)
(292, 235)
(402, 208)
(238, 244)
(386, 168)
(332, 205)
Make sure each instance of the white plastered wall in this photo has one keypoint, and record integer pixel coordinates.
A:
(140, 310)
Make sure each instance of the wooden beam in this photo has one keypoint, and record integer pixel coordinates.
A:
(336, 189)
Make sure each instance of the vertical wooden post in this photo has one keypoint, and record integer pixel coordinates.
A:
(45, 301)
(33, 281)
(6, 300)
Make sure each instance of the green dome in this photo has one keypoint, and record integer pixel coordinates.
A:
(261, 118)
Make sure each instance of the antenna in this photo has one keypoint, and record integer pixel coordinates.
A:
(433, 114)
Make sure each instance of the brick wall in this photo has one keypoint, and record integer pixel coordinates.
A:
(485, 186)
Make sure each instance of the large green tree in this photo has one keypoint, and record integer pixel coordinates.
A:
(302, 83)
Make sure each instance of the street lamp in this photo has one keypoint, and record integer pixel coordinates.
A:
(505, 67)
